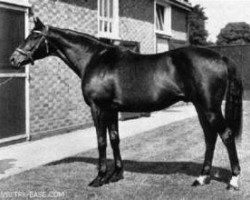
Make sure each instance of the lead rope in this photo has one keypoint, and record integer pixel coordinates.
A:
(6, 81)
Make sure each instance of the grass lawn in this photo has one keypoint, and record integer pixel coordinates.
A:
(159, 164)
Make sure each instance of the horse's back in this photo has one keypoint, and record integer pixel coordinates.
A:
(133, 82)
(128, 81)
(149, 81)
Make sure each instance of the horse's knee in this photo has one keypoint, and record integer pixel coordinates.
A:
(210, 116)
(114, 138)
(102, 143)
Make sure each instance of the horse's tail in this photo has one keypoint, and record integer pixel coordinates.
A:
(234, 98)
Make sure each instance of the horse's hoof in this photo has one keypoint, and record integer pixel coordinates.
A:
(233, 188)
(95, 183)
(98, 182)
(116, 176)
(201, 180)
(196, 183)
(234, 183)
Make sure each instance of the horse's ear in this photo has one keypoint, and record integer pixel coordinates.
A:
(38, 23)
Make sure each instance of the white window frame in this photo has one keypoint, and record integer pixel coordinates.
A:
(167, 28)
(20, 5)
(114, 34)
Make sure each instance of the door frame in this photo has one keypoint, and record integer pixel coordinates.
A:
(20, 5)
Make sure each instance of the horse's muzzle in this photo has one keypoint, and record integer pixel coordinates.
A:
(17, 60)
(12, 61)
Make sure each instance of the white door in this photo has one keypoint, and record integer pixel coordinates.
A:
(162, 44)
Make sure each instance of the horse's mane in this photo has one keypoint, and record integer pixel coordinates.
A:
(77, 34)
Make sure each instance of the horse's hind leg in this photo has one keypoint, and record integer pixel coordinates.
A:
(206, 118)
(112, 123)
(213, 122)
(99, 118)
(229, 141)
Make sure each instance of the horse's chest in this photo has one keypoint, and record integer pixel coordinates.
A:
(97, 88)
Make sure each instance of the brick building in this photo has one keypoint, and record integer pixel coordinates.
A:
(46, 98)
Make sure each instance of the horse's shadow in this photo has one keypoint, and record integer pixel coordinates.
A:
(164, 168)
(6, 164)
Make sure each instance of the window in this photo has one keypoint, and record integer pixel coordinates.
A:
(179, 18)
(108, 18)
(159, 17)
(163, 19)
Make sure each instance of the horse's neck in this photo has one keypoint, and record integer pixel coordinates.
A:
(76, 51)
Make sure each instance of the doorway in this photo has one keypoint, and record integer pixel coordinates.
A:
(12, 81)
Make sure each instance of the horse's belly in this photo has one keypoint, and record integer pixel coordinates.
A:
(146, 103)
(142, 107)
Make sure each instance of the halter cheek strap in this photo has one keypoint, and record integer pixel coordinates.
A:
(29, 54)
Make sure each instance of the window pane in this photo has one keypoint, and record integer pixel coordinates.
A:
(10, 20)
(12, 109)
(110, 27)
(159, 17)
(105, 8)
(111, 9)
(101, 7)
(105, 26)
(101, 25)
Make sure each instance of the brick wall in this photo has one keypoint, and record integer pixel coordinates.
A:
(56, 100)
(55, 94)
(137, 23)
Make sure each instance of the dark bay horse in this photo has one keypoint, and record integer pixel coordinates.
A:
(114, 79)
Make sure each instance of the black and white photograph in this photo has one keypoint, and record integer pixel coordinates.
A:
(124, 99)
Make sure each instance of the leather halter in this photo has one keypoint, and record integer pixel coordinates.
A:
(29, 54)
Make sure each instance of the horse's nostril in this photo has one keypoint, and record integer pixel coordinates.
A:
(12, 60)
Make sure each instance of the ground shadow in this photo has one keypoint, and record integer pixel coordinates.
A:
(147, 167)
(6, 164)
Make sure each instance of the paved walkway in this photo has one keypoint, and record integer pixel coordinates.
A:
(24, 156)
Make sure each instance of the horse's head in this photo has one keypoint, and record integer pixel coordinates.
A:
(34, 47)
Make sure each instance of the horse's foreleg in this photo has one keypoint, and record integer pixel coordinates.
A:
(117, 174)
(101, 131)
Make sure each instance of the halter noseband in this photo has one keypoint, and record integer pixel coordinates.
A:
(29, 54)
